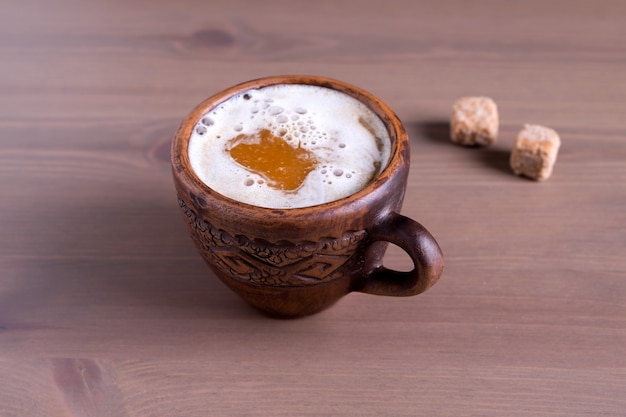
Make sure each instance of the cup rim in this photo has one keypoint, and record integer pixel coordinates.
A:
(182, 167)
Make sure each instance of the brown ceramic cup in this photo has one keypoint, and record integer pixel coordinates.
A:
(299, 261)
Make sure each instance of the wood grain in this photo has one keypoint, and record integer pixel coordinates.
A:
(107, 310)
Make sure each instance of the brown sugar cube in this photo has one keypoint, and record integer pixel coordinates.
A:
(474, 121)
(535, 151)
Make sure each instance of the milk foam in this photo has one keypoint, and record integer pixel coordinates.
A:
(350, 143)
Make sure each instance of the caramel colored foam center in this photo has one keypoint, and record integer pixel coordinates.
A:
(283, 166)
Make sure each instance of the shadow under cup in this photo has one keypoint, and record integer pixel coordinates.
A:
(298, 261)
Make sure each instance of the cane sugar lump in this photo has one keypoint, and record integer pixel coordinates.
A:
(474, 121)
(535, 151)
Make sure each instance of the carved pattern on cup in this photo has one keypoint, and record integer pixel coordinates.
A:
(263, 262)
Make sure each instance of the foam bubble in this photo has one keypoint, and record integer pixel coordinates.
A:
(275, 110)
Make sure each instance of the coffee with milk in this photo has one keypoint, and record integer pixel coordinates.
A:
(289, 146)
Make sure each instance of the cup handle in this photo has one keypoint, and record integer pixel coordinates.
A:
(423, 250)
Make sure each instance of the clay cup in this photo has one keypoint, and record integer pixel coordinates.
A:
(298, 261)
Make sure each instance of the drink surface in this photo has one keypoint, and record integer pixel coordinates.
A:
(289, 146)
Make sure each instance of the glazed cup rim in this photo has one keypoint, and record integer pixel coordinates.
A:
(182, 167)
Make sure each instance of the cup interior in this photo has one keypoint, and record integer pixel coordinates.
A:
(180, 146)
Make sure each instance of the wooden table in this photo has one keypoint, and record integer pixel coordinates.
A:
(107, 310)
